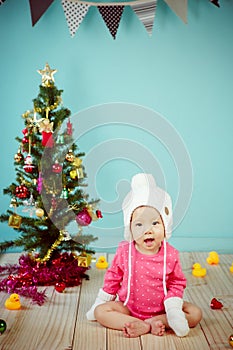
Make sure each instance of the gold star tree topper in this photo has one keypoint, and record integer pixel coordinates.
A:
(47, 75)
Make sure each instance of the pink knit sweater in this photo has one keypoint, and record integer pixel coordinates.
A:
(146, 292)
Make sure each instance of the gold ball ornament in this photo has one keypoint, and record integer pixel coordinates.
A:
(73, 174)
(230, 340)
(39, 212)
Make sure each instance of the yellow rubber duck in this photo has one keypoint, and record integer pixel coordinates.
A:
(101, 263)
(198, 270)
(213, 258)
(13, 302)
(231, 268)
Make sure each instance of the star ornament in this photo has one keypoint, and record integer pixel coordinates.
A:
(47, 75)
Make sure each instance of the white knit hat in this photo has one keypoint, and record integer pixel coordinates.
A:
(144, 191)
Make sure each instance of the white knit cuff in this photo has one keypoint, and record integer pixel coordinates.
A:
(176, 317)
(105, 296)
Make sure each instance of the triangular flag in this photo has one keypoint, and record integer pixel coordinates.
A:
(146, 13)
(74, 12)
(38, 8)
(179, 7)
(111, 16)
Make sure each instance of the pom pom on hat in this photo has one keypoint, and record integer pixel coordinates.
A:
(144, 191)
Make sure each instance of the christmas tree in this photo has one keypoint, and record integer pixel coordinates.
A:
(50, 185)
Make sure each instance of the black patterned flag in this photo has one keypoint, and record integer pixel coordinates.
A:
(75, 13)
(38, 8)
(146, 13)
(111, 16)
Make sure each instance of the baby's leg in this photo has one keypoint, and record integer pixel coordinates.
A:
(159, 323)
(193, 313)
(114, 315)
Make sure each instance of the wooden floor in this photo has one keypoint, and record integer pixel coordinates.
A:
(61, 323)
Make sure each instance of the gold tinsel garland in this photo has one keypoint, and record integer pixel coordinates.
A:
(51, 249)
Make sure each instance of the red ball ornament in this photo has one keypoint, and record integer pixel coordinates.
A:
(57, 168)
(25, 131)
(60, 287)
(215, 304)
(83, 218)
(25, 140)
(22, 192)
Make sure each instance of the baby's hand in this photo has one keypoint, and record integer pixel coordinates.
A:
(176, 317)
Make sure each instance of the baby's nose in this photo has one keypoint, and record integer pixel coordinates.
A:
(149, 230)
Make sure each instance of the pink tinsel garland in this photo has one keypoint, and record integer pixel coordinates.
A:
(24, 278)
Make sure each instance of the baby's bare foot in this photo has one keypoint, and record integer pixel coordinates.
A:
(157, 327)
(136, 328)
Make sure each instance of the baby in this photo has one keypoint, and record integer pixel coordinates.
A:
(145, 274)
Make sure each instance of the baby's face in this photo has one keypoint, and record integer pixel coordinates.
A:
(147, 229)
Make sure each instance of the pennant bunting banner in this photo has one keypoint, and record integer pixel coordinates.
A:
(75, 13)
(111, 12)
(111, 16)
(38, 8)
(146, 13)
(179, 7)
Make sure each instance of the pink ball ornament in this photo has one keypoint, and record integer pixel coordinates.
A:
(83, 218)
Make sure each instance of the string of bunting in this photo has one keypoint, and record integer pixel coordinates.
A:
(111, 12)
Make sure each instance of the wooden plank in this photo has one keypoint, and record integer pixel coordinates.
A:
(169, 341)
(89, 334)
(215, 325)
(41, 327)
(217, 277)
(151, 342)
(116, 341)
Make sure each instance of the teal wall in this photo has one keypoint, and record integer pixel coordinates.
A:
(163, 105)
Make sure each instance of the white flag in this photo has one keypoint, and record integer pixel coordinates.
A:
(74, 12)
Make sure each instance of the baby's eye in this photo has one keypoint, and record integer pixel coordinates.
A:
(138, 224)
(155, 223)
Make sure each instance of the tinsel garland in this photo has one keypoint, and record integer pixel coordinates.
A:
(29, 274)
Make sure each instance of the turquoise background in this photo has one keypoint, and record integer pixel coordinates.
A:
(183, 74)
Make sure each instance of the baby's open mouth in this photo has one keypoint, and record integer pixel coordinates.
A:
(149, 241)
